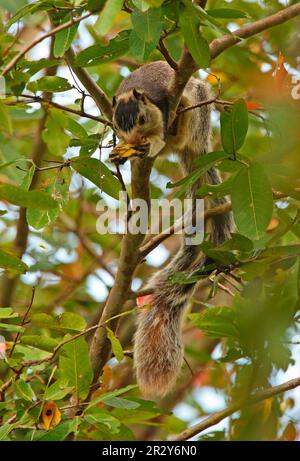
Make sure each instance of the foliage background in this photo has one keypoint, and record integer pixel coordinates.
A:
(243, 334)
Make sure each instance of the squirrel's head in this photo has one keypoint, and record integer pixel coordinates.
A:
(136, 119)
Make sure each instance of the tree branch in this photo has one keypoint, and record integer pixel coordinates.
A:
(94, 90)
(163, 50)
(39, 99)
(38, 40)
(187, 65)
(218, 45)
(153, 242)
(215, 418)
(129, 259)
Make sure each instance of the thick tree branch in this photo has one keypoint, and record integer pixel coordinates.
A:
(100, 98)
(215, 418)
(129, 259)
(218, 45)
(187, 65)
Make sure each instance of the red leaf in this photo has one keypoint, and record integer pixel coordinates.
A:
(144, 300)
(252, 105)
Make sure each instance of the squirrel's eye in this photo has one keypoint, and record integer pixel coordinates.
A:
(142, 120)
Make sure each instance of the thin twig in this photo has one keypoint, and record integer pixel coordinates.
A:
(23, 322)
(31, 363)
(47, 102)
(164, 51)
(38, 40)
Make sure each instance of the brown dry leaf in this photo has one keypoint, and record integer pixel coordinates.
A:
(290, 432)
(107, 376)
(51, 415)
(273, 224)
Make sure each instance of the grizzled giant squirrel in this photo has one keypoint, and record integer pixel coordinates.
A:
(141, 118)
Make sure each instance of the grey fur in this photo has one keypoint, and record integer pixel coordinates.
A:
(158, 348)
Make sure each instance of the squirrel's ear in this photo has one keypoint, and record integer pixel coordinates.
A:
(114, 101)
(139, 95)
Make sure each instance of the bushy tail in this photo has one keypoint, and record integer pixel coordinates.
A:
(158, 348)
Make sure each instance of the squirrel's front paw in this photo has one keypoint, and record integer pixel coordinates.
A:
(121, 153)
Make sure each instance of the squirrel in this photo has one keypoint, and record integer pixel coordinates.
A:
(141, 118)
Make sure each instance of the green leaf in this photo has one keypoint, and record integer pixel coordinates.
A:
(99, 174)
(115, 344)
(60, 432)
(111, 394)
(58, 189)
(27, 199)
(147, 25)
(57, 391)
(196, 43)
(66, 321)
(140, 49)
(76, 128)
(252, 201)
(155, 3)
(237, 242)
(107, 16)
(21, 13)
(118, 402)
(74, 364)
(39, 219)
(5, 121)
(5, 430)
(43, 321)
(217, 322)
(11, 328)
(28, 178)
(54, 135)
(44, 343)
(100, 54)
(142, 5)
(234, 127)
(71, 321)
(63, 40)
(227, 13)
(204, 163)
(50, 83)
(39, 64)
(12, 263)
(216, 190)
(95, 5)
(7, 313)
(100, 416)
(218, 254)
(24, 391)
